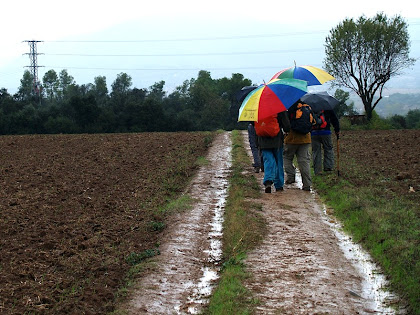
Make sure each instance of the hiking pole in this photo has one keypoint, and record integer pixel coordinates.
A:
(338, 155)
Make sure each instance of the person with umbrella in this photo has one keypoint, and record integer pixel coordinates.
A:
(267, 106)
(252, 137)
(322, 147)
(298, 143)
(272, 153)
(322, 142)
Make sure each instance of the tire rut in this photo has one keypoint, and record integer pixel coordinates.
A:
(183, 274)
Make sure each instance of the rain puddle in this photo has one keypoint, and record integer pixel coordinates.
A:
(374, 285)
(186, 271)
(210, 275)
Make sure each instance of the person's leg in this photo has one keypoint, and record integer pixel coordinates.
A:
(269, 167)
(288, 154)
(328, 153)
(317, 154)
(254, 148)
(304, 162)
(279, 178)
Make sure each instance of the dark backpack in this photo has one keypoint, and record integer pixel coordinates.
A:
(321, 121)
(267, 127)
(301, 118)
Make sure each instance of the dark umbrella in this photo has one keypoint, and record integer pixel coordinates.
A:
(242, 93)
(320, 101)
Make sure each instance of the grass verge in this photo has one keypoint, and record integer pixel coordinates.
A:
(388, 228)
(243, 229)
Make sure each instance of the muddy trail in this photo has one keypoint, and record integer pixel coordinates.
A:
(304, 265)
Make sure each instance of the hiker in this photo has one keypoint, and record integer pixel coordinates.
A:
(272, 151)
(252, 137)
(321, 140)
(298, 143)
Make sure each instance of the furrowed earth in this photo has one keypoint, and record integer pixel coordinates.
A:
(74, 207)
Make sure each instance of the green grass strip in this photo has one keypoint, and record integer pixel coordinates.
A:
(388, 228)
(243, 229)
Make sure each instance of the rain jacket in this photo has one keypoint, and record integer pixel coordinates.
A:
(294, 137)
(331, 119)
(277, 141)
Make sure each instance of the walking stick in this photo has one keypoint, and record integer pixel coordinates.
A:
(338, 155)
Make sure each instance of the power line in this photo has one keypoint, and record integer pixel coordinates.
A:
(191, 38)
(166, 69)
(191, 54)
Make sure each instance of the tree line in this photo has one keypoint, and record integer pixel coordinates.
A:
(199, 104)
(62, 106)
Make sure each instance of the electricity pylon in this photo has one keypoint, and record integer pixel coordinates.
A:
(33, 56)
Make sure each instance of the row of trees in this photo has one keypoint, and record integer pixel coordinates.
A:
(361, 54)
(198, 104)
(66, 107)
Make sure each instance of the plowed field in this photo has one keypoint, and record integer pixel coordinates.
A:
(390, 155)
(73, 207)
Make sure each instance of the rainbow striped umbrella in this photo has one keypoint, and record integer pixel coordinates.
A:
(313, 75)
(269, 99)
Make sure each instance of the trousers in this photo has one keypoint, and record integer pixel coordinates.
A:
(273, 166)
(322, 143)
(303, 156)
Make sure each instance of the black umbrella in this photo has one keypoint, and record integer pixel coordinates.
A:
(242, 93)
(320, 101)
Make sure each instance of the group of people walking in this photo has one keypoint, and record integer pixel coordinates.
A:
(274, 155)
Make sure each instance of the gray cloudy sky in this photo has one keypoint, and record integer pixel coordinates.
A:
(173, 40)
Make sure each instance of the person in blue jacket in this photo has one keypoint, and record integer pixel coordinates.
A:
(322, 141)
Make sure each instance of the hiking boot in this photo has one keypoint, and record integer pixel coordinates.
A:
(288, 182)
(256, 169)
(279, 188)
(306, 188)
(268, 186)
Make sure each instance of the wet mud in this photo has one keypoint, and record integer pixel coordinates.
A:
(187, 269)
(306, 265)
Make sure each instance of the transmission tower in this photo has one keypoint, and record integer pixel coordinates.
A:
(33, 57)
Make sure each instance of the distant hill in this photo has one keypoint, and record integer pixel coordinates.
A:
(397, 103)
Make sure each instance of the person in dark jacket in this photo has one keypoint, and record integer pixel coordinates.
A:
(252, 138)
(321, 141)
(272, 153)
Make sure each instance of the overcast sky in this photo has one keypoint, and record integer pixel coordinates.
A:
(173, 40)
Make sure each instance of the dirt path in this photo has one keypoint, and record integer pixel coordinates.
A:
(188, 265)
(298, 269)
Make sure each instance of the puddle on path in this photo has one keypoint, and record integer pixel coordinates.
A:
(188, 266)
(210, 272)
(374, 285)
(310, 265)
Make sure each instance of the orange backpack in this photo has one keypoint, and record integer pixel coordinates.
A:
(267, 127)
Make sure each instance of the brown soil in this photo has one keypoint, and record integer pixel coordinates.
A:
(391, 155)
(73, 207)
(69, 218)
